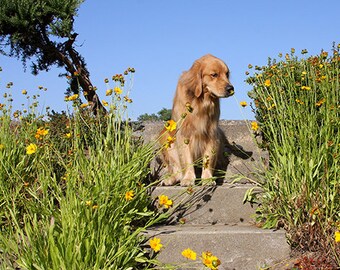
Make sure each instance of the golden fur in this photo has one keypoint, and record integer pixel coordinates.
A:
(199, 136)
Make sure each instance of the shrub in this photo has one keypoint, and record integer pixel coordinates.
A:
(72, 194)
(297, 110)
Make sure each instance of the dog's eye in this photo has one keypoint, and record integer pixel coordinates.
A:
(214, 75)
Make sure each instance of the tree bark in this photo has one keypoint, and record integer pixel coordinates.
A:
(74, 64)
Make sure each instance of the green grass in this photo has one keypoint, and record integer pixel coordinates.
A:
(297, 107)
(64, 206)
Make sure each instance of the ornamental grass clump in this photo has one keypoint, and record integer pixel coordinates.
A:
(298, 114)
(72, 189)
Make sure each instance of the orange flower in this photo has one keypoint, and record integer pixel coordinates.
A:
(129, 195)
(211, 261)
(267, 83)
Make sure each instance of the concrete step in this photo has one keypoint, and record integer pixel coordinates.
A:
(240, 247)
(209, 204)
(243, 155)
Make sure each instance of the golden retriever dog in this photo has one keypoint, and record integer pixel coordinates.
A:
(198, 137)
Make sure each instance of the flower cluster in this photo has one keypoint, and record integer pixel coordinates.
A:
(208, 259)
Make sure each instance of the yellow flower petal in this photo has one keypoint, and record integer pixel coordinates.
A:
(31, 149)
(189, 254)
(155, 244)
(171, 125)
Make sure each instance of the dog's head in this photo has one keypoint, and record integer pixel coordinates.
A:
(210, 74)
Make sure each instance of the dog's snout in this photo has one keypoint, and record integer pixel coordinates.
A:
(230, 89)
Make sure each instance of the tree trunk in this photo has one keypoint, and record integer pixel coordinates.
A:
(74, 64)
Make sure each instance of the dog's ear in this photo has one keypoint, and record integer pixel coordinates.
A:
(192, 79)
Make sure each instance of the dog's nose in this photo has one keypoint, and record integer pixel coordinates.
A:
(230, 89)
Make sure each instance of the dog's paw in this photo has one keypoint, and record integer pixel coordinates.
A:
(207, 174)
(169, 181)
(187, 182)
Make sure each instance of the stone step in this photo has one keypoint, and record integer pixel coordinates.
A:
(209, 204)
(243, 155)
(240, 247)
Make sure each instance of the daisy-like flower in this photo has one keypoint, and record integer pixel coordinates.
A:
(155, 244)
(305, 88)
(171, 125)
(267, 83)
(189, 254)
(254, 126)
(169, 141)
(165, 201)
(129, 195)
(210, 261)
(68, 135)
(41, 132)
(84, 105)
(118, 90)
(109, 92)
(105, 103)
(24, 92)
(243, 103)
(337, 237)
(31, 149)
(73, 97)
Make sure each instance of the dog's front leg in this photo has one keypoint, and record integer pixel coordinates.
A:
(173, 167)
(209, 162)
(189, 171)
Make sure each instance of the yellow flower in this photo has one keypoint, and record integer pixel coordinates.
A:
(118, 90)
(31, 149)
(41, 132)
(189, 254)
(72, 98)
(305, 88)
(299, 101)
(88, 203)
(24, 92)
(267, 83)
(171, 125)
(320, 102)
(243, 103)
(129, 195)
(169, 141)
(254, 126)
(164, 201)
(84, 105)
(108, 92)
(210, 260)
(2, 147)
(155, 244)
(337, 237)
(68, 135)
(105, 103)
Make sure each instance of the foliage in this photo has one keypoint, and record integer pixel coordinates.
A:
(297, 109)
(42, 31)
(163, 115)
(72, 194)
